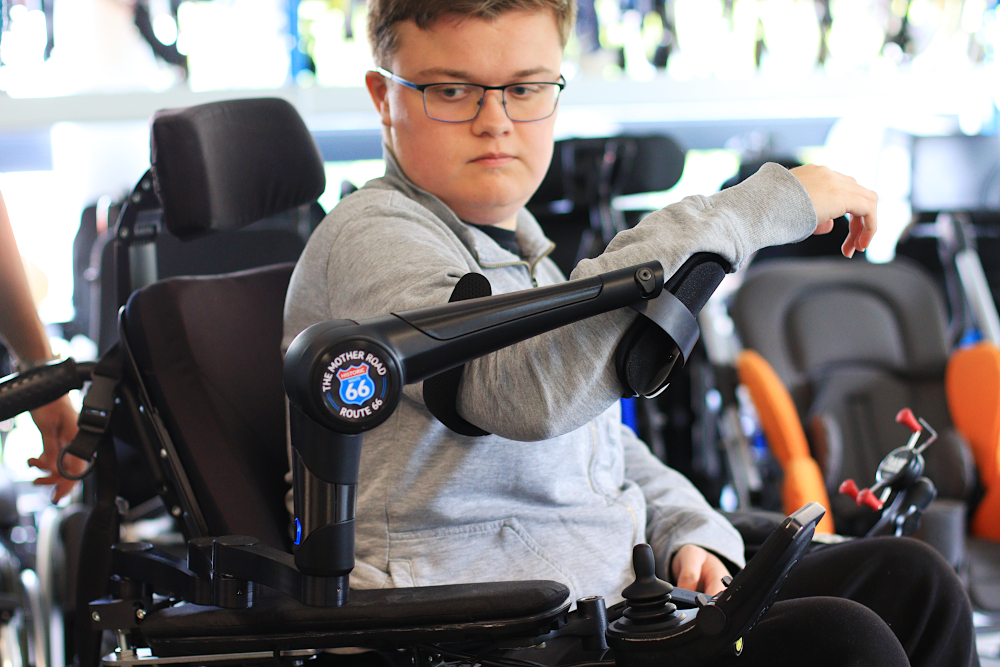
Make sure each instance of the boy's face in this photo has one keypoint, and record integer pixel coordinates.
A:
(485, 169)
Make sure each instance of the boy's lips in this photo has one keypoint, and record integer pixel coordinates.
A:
(493, 159)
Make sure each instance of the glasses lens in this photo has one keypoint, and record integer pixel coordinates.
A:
(531, 101)
(459, 102)
(452, 102)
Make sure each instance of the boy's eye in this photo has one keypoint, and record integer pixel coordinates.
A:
(450, 92)
(523, 90)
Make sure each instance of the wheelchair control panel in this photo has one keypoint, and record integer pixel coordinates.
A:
(654, 624)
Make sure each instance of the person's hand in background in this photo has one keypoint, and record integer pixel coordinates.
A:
(25, 337)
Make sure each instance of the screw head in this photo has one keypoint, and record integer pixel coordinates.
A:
(140, 614)
(163, 453)
(175, 510)
(95, 616)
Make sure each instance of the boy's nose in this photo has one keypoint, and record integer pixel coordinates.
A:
(492, 117)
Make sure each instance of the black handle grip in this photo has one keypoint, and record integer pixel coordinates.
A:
(697, 279)
(40, 386)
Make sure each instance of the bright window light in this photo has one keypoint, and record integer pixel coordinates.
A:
(165, 28)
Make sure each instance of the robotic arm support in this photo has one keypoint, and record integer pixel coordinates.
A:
(344, 377)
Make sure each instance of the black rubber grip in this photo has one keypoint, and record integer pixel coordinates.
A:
(697, 279)
(40, 386)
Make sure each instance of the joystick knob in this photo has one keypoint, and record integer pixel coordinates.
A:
(649, 608)
(647, 586)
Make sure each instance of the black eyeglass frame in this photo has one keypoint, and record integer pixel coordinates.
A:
(421, 87)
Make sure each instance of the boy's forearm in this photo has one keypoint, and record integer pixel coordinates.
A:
(20, 327)
(565, 378)
(770, 208)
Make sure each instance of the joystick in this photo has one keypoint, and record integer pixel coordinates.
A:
(649, 607)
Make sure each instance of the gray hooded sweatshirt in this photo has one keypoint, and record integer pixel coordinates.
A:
(561, 490)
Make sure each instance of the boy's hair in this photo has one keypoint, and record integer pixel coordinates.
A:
(383, 15)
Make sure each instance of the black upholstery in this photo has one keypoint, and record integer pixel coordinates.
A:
(381, 617)
(238, 182)
(209, 352)
(640, 163)
(854, 343)
(224, 165)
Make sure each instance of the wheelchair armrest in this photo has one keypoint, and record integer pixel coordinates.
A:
(380, 618)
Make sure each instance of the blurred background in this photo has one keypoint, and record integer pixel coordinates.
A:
(901, 94)
(847, 83)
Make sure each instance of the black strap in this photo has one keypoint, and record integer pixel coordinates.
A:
(656, 344)
(97, 410)
(441, 391)
(102, 527)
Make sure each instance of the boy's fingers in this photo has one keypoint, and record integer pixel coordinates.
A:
(851, 242)
(869, 224)
(687, 567)
(714, 583)
(689, 578)
(824, 228)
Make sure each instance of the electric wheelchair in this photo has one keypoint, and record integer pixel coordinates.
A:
(195, 384)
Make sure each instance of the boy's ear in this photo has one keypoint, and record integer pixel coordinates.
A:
(379, 91)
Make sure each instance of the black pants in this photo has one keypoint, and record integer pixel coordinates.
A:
(877, 601)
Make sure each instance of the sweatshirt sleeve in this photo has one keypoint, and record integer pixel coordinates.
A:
(389, 258)
(556, 382)
(676, 512)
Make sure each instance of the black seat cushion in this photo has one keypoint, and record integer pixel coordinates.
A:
(209, 351)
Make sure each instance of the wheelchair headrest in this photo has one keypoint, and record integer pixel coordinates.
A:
(225, 165)
(638, 163)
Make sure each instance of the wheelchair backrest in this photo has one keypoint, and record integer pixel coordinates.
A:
(208, 351)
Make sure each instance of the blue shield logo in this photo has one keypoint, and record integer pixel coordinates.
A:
(356, 386)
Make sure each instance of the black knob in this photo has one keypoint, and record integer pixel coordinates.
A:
(646, 585)
(648, 597)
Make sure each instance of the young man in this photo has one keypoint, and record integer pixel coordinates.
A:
(467, 92)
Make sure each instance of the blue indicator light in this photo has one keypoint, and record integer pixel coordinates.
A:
(298, 532)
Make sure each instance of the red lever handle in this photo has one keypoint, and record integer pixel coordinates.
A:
(850, 489)
(866, 497)
(906, 417)
(862, 496)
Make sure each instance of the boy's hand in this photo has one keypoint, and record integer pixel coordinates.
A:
(697, 570)
(833, 195)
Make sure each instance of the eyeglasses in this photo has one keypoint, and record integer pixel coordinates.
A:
(460, 102)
